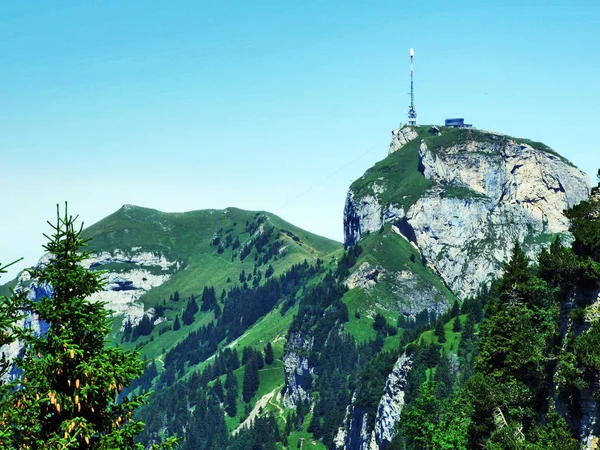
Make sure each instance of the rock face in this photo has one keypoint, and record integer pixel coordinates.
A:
(296, 369)
(131, 275)
(391, 404)
(141, 272)
(355, 433)
(365, 276)
(401, 137)
(488, 192)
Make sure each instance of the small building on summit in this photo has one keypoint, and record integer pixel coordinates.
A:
(434, 130)
(457, 123)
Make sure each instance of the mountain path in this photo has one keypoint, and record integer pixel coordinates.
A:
(276, 404)
(259, 404)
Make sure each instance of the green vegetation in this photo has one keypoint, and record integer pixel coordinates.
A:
(398, 177)
(486, 374)
(397, 180)
(461, 192)
(194, 239)
(519, 369)
(5, 289)
(389, 296)
(66, 395)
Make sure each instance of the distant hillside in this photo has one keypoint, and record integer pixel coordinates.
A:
(155, 262)
(210, 246)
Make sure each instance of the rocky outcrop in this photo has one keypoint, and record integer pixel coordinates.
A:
(297, 370)
(366, 276)
(34, 291)
(355, 434)
(401, 137)
(414, 295)
(123, 288)
(488, 192)
(131, 275)
(391, 404)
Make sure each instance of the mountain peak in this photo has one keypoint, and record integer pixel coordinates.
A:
(464, 196)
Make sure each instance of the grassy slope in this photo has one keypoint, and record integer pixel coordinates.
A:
(398, 175)
(452, 337)
(186, 237)
(5, 288)
(393, 253)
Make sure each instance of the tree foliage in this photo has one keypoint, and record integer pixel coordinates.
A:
(66, 396)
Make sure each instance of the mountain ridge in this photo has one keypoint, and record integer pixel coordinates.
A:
(417, 239)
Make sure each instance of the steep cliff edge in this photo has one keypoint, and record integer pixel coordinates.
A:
(463, 197)
(355, 434)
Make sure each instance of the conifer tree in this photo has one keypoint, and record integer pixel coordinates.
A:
(9, 314)
(456, 326)
(67, 394)
(231, 387)
(251, 380)
(443, 378)
(269, 357)
(439, 331)
(455, 309)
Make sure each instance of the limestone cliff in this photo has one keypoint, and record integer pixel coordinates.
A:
(462, 197)
(356, 433)
(129, 275)
(296, 369)
(474, 195)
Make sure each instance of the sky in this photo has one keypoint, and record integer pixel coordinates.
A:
(266, 105)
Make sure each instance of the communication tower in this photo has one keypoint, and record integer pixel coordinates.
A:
(412, 112)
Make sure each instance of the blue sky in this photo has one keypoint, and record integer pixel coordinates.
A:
(276, 105)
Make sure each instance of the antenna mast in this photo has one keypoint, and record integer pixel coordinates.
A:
(412, 112)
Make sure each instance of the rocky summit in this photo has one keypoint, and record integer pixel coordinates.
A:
(463, 197)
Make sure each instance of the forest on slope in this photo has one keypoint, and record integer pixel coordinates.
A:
(513, 367)
(526, 366)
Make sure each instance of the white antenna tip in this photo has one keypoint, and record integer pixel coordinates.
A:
(412, 52)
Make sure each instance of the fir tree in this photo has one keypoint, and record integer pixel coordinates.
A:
(190, 311)
(456, 327)
(314, 426)
(455, 309)
(67, 394)
(251, 380)
(439, 331)
(421, 419)
(443, 378)
(231, 386)
(218, 390)
(9, 314)
(269, 357)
